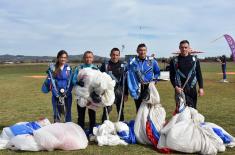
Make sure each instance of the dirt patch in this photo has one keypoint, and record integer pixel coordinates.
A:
(228, 73)
(36, 76)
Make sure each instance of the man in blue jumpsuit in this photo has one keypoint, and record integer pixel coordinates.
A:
(142, 70)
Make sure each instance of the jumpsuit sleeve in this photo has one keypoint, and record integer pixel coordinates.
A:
(126, 87)
(46, 86)
(199, 74)
(102, 67)
(172, 73)
(156, 70)
(74, 78)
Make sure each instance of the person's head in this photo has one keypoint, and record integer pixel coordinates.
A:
(88, 57)
(184, 47)
(61, 58)
(142, 51)
(115, 55)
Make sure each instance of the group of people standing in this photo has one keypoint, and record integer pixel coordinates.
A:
(132, 78)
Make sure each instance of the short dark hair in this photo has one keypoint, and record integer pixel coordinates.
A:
(87, 52)
(114, 49)
(140, 46)
(184, 42)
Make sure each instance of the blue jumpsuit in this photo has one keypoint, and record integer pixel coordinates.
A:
(62, 80)
(82, 110)
(140, 73)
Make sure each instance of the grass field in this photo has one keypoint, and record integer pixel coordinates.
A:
(22, 100)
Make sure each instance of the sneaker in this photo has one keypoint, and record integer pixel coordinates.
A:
(226, 81)
(222, 80)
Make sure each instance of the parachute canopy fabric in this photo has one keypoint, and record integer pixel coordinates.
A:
(118, 133)
(22, 128)
(150, 118)
(186, 132)
(94, 84)
(231, 44)
(64, 136)
(106, 134)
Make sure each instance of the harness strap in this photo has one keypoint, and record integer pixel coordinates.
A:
(111, 74)
(140, 74)
(180, 74)
(54, 81)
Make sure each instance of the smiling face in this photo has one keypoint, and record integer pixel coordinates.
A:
(184, 49)
(142, 52)
(115, 56)
(88, 58)
(63, 59)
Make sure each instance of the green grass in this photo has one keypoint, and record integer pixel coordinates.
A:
(22, 100)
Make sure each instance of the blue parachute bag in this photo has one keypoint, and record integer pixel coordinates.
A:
(27, 128)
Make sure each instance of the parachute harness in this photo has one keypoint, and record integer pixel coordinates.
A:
(180, 98)
(61, 94)
(191, 73)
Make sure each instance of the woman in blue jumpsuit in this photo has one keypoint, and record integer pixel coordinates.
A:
(59, 82)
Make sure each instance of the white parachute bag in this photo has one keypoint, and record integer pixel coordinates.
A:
(186, 132)
(64, 136)
(24, 142)
(18, 141)
(154, 110)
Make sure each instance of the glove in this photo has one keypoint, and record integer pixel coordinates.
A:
(81, 83)
(96, 98)
(146, 93)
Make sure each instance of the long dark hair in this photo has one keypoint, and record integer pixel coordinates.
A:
(57, 67)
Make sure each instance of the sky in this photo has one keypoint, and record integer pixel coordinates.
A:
(43, 27)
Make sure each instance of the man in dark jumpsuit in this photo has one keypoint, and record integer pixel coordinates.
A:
(186, 66)
(116, 69)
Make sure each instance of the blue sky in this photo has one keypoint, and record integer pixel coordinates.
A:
(42, 27)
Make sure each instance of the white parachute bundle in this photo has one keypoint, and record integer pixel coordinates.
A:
(187, 132)
(106, 134)
(149, 108)
(64, 136)
(14, 139)
(96, 82)
(24, 142)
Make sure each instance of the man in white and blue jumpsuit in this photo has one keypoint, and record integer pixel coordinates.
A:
(62, 80)
(141, 71)
(88, 58)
